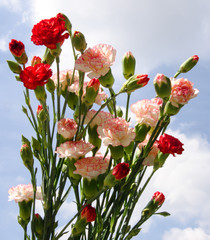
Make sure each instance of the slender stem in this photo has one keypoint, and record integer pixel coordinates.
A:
(112, 93)
(58, 88)
(127, 106)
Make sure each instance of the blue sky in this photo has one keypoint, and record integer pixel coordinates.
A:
(161, 34)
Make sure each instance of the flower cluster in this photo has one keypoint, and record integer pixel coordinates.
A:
(97, 155)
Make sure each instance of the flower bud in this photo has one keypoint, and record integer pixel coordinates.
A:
(17, 48)
(119, 112)
(162, 86)
(14, 67)
(188, 64)
(74, 178)
(48, 58)
(93, 137)
(38, 226)
(141, 131)
(89, 213)
(107, 80)
(68, 24)
(36, 145)
(27, 156)
(117, 152)
(120, 171)
(91, 91)
(158, 198)
(78, 41)
(35, 60)
(135, 82)
(128, 65)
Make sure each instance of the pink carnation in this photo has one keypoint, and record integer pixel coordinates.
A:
(67, 127)
(147, 111)
(23, 192)
(63, 78)
(74, 149)
(100, 118)
(149, 160)
(116, 132)
(75, 89)
(182, 91)
(96, 60)
(91, 167)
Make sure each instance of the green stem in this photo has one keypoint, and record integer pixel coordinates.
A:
(127, 106)
(58, 88)
(112, 93)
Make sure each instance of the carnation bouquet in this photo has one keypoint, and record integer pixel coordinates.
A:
(84, 146)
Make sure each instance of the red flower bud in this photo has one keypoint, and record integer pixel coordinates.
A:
(170, 145)
(159, 198)
(94, 82)
(17, 48)
(142, 79)
(35, 60)
(39, 109)
(188, 64)
(121, 170)
(89, 213)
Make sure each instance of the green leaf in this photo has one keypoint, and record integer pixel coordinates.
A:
(164, 214)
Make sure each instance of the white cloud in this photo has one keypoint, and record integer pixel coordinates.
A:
(186, 234)
(3, 44)
(158, 32)
(13, 5)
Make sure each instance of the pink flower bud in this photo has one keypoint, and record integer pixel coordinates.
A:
(159, 198)
(121, 170)
(89, 213)
(162, 85)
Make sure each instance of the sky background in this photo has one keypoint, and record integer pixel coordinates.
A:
(161, 34)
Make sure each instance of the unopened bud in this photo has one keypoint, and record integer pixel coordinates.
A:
(188, 64)
(141, 131)
(38, 226)
(27, 156)
(40, 93)
(162, 86)
(35, 60)
(78, 41)
(135, 82)
(17, 48)
(50, 86)
(128, 65)
(91, 91)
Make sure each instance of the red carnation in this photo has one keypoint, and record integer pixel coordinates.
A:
(17, 48)
(170, 144)
(49, 32)
(159, 198)
(89, 213)
(121, 170)
(37, 75)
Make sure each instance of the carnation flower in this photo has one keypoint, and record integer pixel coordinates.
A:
(17, 48)
(149, 160)
(23, 192)
(89, 213)
(170, 145)
(147, 111)
(100, 118)
(63, 78)
(91, 167)
(67, 127)
(182, 91)
(120, 171)
(116, 132)
(96, 60)
(74, 149)
(37, 75)
(49, 32)
(101, 96)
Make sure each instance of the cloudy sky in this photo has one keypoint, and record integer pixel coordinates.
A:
(161, 34)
